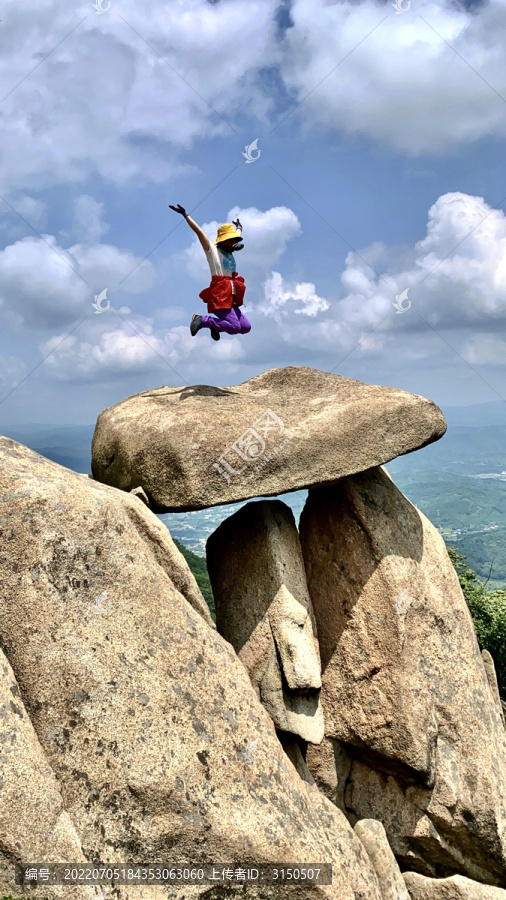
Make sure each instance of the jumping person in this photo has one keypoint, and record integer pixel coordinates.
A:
(225, 294)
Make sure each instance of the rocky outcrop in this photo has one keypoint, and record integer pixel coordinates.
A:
(194, 447)
(292, 747)
(373, 836)
(150, 541)
(330, 765)
(488, 662)
(263, 609)
(456, 888)
(404, 689)
(34, 825)
(143, 711)
(133, 730)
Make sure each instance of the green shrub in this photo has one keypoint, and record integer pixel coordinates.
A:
(488, 609)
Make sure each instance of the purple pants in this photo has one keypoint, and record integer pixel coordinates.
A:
(233, 321)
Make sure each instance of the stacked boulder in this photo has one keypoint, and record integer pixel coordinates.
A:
(414, 736)
(263, 609)
(195, 447)
(411, 746)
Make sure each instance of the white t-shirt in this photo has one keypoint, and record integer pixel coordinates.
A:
(220, 263)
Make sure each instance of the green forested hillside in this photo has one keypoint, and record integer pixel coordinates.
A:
(462, 451)
(486, 554)
(456, 501)
(467, 504)
(198, 566)
(488, 609)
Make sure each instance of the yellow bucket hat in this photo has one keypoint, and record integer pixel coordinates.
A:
(226, 232)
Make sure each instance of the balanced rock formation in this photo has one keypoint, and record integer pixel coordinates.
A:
(405, 694)
(263, 609)
(455, 888)
(194, 447)
(144, 713)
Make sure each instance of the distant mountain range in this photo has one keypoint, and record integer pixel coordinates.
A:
(476, 415)
(68, 445)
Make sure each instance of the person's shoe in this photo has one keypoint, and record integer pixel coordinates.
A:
(215, 334)
(195, 324)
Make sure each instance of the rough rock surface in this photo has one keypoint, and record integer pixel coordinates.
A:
(145, 715)
(194, 447)
(296, 754)
(33, 823)
(404, 688)
(456, 888)
(488, 662)
(263, 609)
(373, 836)
(330, 764)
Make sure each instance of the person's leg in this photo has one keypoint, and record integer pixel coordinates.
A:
(222, 320)
(244, 323)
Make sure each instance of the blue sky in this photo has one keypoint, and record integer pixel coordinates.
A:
(382, 139)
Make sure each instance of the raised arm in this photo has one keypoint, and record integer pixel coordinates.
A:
(203, 238)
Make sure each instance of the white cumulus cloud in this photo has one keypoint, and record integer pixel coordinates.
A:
(12, 369)
(454, 275)
(456, 281)
(124, 94)
(44, 285)
(111, 348)
(426, 81)
(21, 212)
(483, 349)
(283, 299)
(89, 225)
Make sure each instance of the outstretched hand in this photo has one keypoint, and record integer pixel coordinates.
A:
(237, 224)
(179, 209)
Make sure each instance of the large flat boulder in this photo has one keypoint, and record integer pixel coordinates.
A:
(455, 888)
(193, 447)
(147, 718)
(263, 609)
(404, 692)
